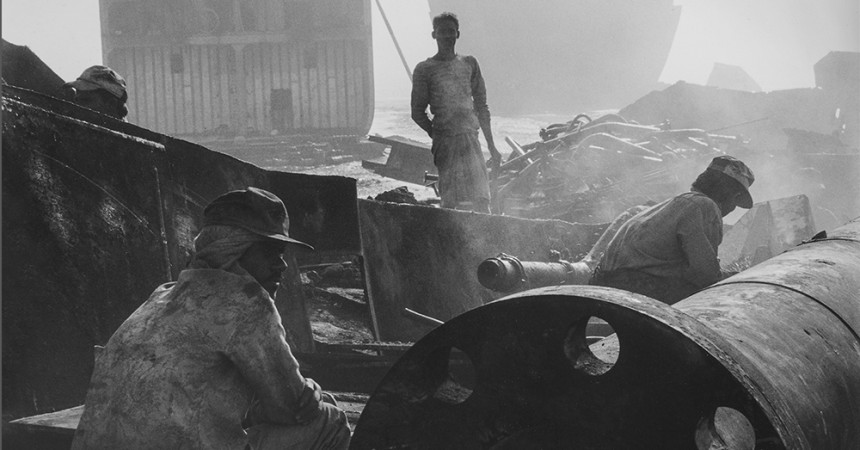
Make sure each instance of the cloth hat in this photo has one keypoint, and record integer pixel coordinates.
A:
(252, 209)
(739, 172)
(101, 77)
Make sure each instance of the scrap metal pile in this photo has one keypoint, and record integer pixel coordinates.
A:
(591, 170)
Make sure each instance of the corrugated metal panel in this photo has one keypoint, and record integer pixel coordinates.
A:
(200, 85)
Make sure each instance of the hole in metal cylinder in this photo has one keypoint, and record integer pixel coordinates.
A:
(460, 382)
(592, 346)
(725, 429)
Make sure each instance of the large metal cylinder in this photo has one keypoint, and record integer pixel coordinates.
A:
(767, 359)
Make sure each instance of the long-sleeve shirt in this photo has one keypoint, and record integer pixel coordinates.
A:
(182, 370)
(677, 238)
(456, 94)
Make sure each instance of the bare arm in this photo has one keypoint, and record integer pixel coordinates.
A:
(479, 97)
(421, 99)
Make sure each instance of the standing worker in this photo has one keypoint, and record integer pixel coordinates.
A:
(204, 363)
(669, 251)
(453, 87)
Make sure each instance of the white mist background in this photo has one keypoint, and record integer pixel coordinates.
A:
(775, 41)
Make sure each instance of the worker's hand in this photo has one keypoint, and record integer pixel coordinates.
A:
(495, 162)
(309, 402)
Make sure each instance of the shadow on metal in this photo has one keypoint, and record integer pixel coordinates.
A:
(767, 359)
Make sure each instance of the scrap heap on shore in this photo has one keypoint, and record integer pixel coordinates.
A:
(591, 170)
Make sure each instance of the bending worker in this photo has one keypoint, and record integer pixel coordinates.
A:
(204, 363)
(669, 251)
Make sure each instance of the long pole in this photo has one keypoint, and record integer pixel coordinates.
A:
(396, 45)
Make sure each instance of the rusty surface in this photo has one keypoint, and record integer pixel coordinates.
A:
(506, 273)
(536, 383)
(96, 214)
(770, 357)
(424, 258)
(796, 319)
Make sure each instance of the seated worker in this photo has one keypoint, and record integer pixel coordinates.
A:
(203, 363)
(669, 251)
(101, 89)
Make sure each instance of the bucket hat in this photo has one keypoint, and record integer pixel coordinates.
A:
(738, 171)
(254, 209)
(101, 77)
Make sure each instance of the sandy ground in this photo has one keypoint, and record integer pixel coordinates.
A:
(368, 183)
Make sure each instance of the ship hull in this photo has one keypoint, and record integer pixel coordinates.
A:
(565, 56)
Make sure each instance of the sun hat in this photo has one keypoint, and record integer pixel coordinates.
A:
(101, 77)
(738, 171)
(254, 209)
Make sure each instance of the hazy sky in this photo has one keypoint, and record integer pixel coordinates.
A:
(775, 41)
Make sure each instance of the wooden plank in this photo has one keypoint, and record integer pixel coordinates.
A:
(214, 87)
(366, 80)
(187, 93)
(259, 101)
(169, 107)
(340, 78)
(196, 89)
(287, 79)
(313, 111)
(351, 101)
(331, 75)
(277, 71)
(65, 422)
(248, 88)
(179, 95)
(158, 69)
(127, 55)
(305, 87)
(296, 83)
(228, 68)
(140, 87)
(322, 89)
(358, 79)
(275, 12)
(150, 88)
(266, 89)
(205, 92)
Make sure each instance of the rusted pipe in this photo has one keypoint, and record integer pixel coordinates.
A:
(767, 359)
(506, 273)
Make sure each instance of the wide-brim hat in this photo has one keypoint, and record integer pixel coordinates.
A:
(101, 77)
(738, 171)
(253, 209)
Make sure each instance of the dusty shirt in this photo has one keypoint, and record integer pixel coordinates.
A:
(676, 238)
(181, 371)
(455, 92)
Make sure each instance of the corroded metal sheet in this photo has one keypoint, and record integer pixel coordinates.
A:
(768, 359)
(96, 214)
(423, 258)
(537, 384)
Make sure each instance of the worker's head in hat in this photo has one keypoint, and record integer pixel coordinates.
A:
(246, 232)
(101, 89)
(726, 181)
